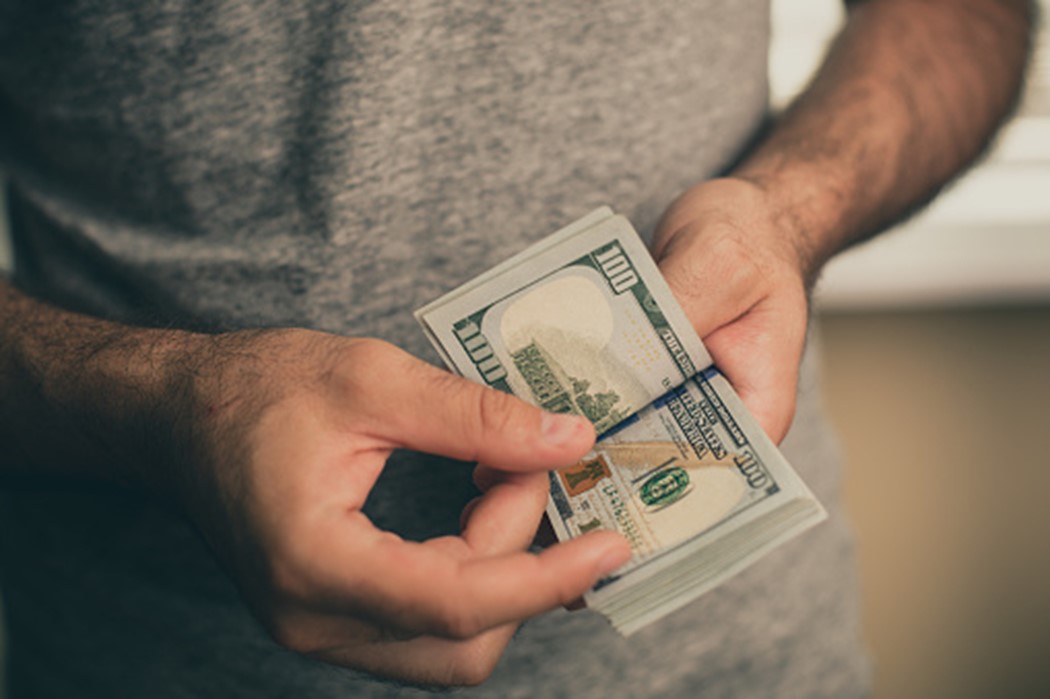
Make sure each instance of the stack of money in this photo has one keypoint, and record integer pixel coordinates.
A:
(583, 322)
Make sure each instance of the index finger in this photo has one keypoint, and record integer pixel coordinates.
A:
(435, 590)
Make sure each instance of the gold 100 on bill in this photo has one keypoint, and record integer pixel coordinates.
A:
(583, 322)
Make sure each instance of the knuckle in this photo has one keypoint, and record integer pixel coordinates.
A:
(364, 368)
(740, 258)
(459, 622)
(363, 361)
(471, 674)
(364, 356)
(684, 275)
(369, 350)
(473, 664)
(293, 636)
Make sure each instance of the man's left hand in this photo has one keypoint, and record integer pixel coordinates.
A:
(733, 262)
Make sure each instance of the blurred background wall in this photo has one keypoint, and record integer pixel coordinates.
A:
(936, 345)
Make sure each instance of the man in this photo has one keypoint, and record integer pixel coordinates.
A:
(183, 177)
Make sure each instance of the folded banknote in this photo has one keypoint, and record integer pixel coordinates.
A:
(583, 322)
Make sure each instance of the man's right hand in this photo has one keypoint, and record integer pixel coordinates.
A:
(289, 431)
(270, 442)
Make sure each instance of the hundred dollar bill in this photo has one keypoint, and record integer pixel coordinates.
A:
(695, 486)
(583, 322)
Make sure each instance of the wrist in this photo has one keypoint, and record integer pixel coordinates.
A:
(88, 398)
(150, 376)
(752, 215)
(803, 212)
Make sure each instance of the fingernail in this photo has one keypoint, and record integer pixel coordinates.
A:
(560, 429)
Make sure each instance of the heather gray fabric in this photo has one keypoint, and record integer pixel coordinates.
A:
(335, 165)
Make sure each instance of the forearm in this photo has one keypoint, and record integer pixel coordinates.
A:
(85, 397)
(910, 93)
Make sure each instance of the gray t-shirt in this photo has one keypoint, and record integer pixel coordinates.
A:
(334, 165)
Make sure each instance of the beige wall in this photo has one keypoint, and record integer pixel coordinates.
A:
(945, 423)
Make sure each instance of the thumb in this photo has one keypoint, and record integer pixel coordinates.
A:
(426, 409)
